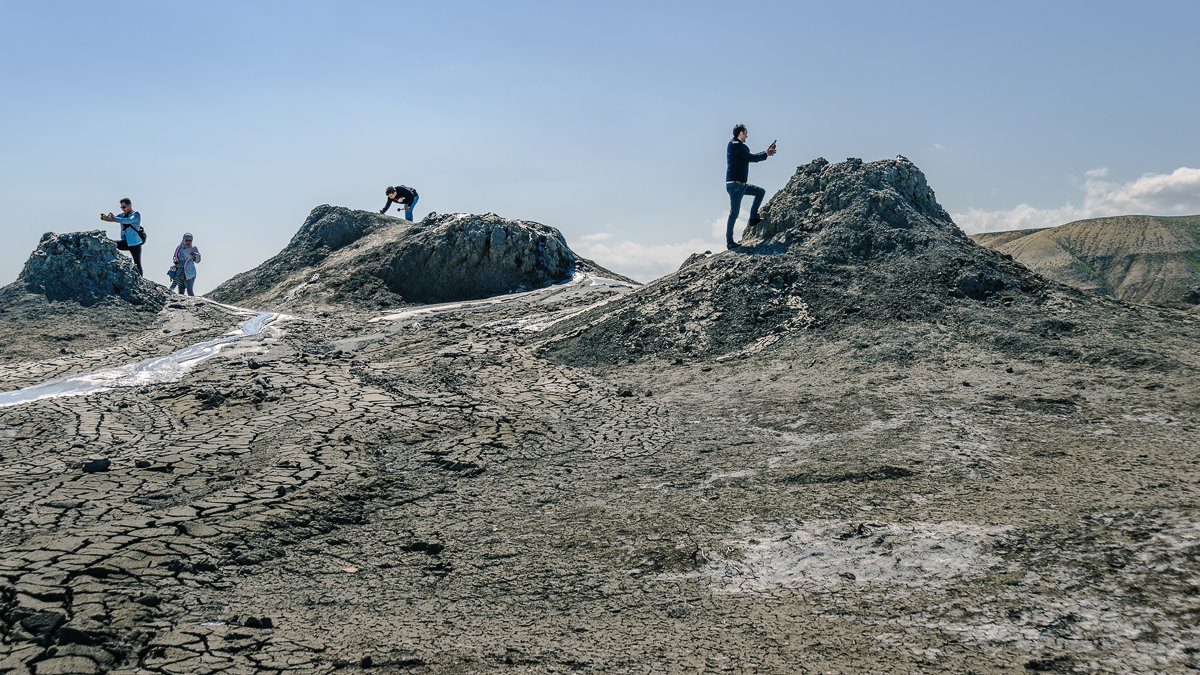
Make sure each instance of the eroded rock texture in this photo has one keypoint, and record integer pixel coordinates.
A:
(342, 256)
(87, 268)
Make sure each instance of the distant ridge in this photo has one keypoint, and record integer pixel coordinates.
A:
(1147, 259)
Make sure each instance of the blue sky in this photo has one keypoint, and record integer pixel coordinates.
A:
(605, 120)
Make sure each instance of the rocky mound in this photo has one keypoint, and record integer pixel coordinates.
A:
(342, 256)
(856, 253)
(85, 268)
(1135, 258)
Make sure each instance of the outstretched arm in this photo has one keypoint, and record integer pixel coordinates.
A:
(744, 153)
(386, 206)
(134, 219)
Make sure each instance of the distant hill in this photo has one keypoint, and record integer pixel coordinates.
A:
(1148, 259)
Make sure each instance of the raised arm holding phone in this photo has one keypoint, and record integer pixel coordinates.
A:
(738, 158)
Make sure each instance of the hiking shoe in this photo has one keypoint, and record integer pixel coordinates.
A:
(731, 246)
(754, 220)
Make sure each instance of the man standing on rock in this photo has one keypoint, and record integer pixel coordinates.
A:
(132, 234)
(737, 172)
(401, 194)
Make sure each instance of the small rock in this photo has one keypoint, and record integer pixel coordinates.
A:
(142, 464)
(96, 465)
(252, 622)
(73, 636)
(149, 600)
(625, 393)
(366, 662)
(848, 576)
(42, 623)
(1008, 369)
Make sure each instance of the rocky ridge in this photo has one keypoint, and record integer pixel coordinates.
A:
(343, 256)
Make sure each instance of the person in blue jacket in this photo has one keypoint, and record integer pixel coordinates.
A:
(402, 195)
(132, 233)
(737, 171)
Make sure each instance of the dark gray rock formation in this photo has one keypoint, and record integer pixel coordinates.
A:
(852, 253)
(464, 256)
(341, 256)
(883, 218)
(327, 230)
(86, 268)
(1192, 297)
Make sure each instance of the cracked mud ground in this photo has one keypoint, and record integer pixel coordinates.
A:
(436, 496)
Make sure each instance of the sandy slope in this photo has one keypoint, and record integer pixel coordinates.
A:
(1134, 258)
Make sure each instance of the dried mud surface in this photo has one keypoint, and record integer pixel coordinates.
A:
(435, 494)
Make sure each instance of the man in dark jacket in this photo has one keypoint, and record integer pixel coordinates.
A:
(404, 195)
(738, 158)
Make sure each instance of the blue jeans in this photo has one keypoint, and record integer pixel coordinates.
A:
(183, 283)
(736, 192)
(408, 208)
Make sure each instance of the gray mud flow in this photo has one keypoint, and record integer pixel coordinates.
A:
(157, 370)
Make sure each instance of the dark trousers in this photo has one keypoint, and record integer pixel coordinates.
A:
(736, 192)
(136, 252)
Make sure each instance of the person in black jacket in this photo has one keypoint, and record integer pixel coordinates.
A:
(401, 194)
(738, 158)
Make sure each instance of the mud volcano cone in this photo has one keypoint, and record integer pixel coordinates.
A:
(86, 268)
(342, 256)
(843, 247)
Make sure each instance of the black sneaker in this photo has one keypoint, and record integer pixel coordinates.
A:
(732, 246)
(754, 220)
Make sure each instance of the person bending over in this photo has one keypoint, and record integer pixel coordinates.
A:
(737, 172)
(132, 234)
(404, 195)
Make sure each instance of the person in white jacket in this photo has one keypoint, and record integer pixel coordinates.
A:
(185, 258)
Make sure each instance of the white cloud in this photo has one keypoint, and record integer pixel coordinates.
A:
(646, 262)
(1176, 193)
(938, 146)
